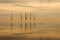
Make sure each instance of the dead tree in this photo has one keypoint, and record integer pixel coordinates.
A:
(34, 24)
(30, 22)
(11, 21)
(21, 22)
(26, 25)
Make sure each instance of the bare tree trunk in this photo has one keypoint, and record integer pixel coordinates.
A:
(21, 21)
(26, 25)
(11, 21)
(30, 23)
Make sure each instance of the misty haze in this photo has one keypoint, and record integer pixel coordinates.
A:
(29, 20)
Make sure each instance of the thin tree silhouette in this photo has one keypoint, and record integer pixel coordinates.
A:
(21, 21)
(26, 25)
(34, 24)
(30, 22)
(11, 21)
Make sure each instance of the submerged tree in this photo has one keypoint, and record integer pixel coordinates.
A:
(11, 21)
(34, 24)
(26, 24)
(30, 22)
(21, 21)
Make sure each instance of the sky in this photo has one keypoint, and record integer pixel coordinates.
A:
(35, 5)
(46, 8)
(40, 6)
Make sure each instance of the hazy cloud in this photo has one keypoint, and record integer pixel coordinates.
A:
(25, 1)
(6, 1)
